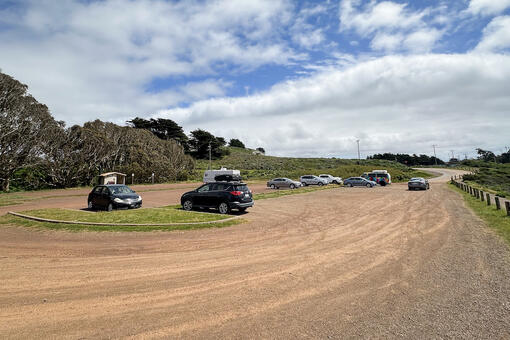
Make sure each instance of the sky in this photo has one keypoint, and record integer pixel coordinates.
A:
(298, 78)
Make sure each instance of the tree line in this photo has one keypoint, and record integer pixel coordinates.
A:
(36, 151)
(409, 160)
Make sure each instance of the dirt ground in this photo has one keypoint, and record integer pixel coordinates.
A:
(340, 263)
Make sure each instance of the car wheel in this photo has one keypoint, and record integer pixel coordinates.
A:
(304, 184)
(90, 205)
(320, 184)
(273, 186)
(335, 182)
(349, 185)
(109, 207)
(292, 186)
(369, 185)
(187, 205)
(223, 208)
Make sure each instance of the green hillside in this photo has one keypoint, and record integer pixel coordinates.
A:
(262, 167)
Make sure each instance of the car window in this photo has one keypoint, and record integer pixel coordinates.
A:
(219, 187)
(204, 188)
(105, 190)
(97, 190)
(121, 190)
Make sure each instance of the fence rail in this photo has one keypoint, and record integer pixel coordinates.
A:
(481, 195)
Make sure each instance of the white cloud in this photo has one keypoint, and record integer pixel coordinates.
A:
(392, 26)
(96, 59)
(376, 16)
(487, 7)
(496, 36)
(400, 104)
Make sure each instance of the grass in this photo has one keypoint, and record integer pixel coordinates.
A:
(13, 220)
(496, 219)
(170, 214)
(490, 175)
(263, 167)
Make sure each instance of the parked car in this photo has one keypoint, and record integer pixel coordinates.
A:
(331, 179)
(223, 196)
(283, 182)
(313, 180)
(418, 183)
(359, 181)
(115, 196)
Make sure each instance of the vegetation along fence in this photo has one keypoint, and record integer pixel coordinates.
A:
(482, 195)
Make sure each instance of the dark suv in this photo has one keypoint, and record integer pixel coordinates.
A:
(113, 196)
(223, 196)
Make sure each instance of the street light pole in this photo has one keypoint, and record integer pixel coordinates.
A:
(209, 155)
(435, 158)
(359, 156)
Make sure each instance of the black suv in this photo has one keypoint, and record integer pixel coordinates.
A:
(220, 195)
(113, 196)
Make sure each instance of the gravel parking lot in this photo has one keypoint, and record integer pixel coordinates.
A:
(340, 263)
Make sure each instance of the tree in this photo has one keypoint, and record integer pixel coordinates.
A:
(486, 156)
(165, 129)
(26, 126)
(236, 143)
(199, 145)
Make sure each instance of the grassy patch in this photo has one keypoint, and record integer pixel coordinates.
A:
(169, 214)
(13, 220)
(496, 219)
(280, 192)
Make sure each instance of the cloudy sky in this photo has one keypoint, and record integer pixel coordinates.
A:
(303, 78)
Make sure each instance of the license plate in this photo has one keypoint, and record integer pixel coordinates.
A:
(246, 195)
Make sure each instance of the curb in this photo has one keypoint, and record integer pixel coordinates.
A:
(40, 219)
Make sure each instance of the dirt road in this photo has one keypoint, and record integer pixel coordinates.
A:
(340, 263)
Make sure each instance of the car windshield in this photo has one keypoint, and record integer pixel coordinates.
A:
(121, 190)
(416, 179)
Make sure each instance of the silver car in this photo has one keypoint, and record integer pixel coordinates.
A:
(360, 182)
(313, 180)
(283, 182)
(418, 183)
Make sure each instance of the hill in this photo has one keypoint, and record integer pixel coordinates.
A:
(263, 167)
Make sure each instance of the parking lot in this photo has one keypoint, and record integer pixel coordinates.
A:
(339, 263)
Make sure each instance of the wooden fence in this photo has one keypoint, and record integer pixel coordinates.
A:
(481, 195)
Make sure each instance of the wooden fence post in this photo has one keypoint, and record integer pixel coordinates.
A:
(488, 199)
(507, 206)
(477, 193)
(498, 205)
(481, 195)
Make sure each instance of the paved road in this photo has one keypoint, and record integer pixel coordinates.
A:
(340, 263)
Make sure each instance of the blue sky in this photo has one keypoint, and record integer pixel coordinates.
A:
(303, 78)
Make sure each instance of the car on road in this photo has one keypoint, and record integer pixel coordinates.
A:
(113, 196)
(331, 179)
(313, 180)
(277, 183)
(418, 183)
(223, 196)
(359, 182)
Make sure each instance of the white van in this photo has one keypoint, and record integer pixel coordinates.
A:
(209, 175)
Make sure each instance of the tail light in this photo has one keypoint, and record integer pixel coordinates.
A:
(236, 193)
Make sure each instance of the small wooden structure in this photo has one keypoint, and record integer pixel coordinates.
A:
(112, 178)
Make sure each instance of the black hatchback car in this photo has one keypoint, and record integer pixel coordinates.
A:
(113, 196)
(223, 196)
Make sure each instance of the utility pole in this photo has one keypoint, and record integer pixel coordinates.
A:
(435, 158)
(359, 155)
(209, 155)
(453, 155)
